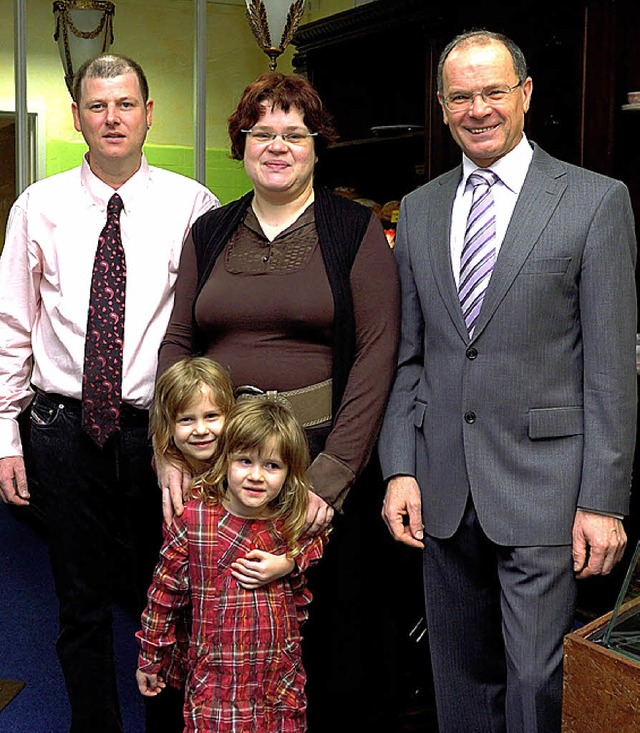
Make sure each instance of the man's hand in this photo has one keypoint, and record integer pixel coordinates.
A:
(258, 567)
(402, 511)
(598, 543)
(319, 514)
(174, 484)
(13, 481)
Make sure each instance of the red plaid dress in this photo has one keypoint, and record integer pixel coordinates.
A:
(245, 667)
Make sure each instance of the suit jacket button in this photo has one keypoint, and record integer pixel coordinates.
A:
(472, 353)
(470, 417)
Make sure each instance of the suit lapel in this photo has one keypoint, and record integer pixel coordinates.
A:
(542, 190)
(439, 229)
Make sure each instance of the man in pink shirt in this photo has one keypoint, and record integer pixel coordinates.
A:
(101, 501)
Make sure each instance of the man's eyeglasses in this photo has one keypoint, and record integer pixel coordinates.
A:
(462, 101)
(262, 137)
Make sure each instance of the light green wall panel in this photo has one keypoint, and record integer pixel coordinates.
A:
(225, 177)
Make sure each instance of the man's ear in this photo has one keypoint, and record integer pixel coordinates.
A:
(527, 89)
(445, 119)
(76, 116)
(149, 107)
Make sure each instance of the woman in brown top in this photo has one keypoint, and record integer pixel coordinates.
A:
(295, 290)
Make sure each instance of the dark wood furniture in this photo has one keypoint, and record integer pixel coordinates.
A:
(375, 67)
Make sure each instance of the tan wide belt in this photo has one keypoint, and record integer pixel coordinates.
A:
(311, 405)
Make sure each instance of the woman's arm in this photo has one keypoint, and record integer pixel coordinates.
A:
(178, 340)
(376, 302)
(176, 344)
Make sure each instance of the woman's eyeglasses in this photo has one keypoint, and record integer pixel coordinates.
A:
(263, 137)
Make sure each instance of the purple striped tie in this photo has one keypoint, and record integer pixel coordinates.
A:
(479, 248)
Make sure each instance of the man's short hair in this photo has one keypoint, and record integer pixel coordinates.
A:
(107, 66)
(481, 36)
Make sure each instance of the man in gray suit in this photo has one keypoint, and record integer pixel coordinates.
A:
(509, 436)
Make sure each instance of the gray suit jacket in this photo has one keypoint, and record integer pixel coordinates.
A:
(536, 414)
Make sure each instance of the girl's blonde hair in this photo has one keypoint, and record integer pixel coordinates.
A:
(177, 388)
(255, 424)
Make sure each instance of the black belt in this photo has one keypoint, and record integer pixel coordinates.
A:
(129, 415)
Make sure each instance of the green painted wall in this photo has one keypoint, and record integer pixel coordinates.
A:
(159, 35)
(225, 177)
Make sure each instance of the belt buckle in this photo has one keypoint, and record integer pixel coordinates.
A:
(248, 390)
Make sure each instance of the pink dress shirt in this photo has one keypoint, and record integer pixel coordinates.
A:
(45, 274)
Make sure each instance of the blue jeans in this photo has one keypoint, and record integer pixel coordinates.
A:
(104, 523)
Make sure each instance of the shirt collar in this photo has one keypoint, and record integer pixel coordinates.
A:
(100, 192)
(306, 217)
(511, 169)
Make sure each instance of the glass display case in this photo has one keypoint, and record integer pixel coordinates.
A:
(601, 691)
(622, 632)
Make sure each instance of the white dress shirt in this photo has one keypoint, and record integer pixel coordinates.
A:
(45, 277)
(511, 170)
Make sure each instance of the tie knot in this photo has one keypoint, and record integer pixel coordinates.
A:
(482, 177)
(115, 204)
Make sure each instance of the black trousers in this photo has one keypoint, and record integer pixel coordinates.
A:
(497, 617)
(104, 524)
(350, 642)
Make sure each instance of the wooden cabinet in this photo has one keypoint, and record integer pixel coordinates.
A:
(620, 155)
(375, 68)
(372, 66)
(601, 686)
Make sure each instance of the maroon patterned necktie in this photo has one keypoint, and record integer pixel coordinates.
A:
(102, 373)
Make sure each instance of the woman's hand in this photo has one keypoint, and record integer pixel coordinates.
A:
(258, 567)
(174, 484)
(319, 514)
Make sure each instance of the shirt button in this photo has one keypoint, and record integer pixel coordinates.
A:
(472, 353)
(255, 526)
(470, 417)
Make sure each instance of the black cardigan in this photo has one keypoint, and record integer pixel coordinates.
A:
(341, 226)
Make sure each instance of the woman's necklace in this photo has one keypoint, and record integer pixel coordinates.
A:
(274, 219)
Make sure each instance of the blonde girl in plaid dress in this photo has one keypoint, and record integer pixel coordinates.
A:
(191, 401)
(245, 670)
